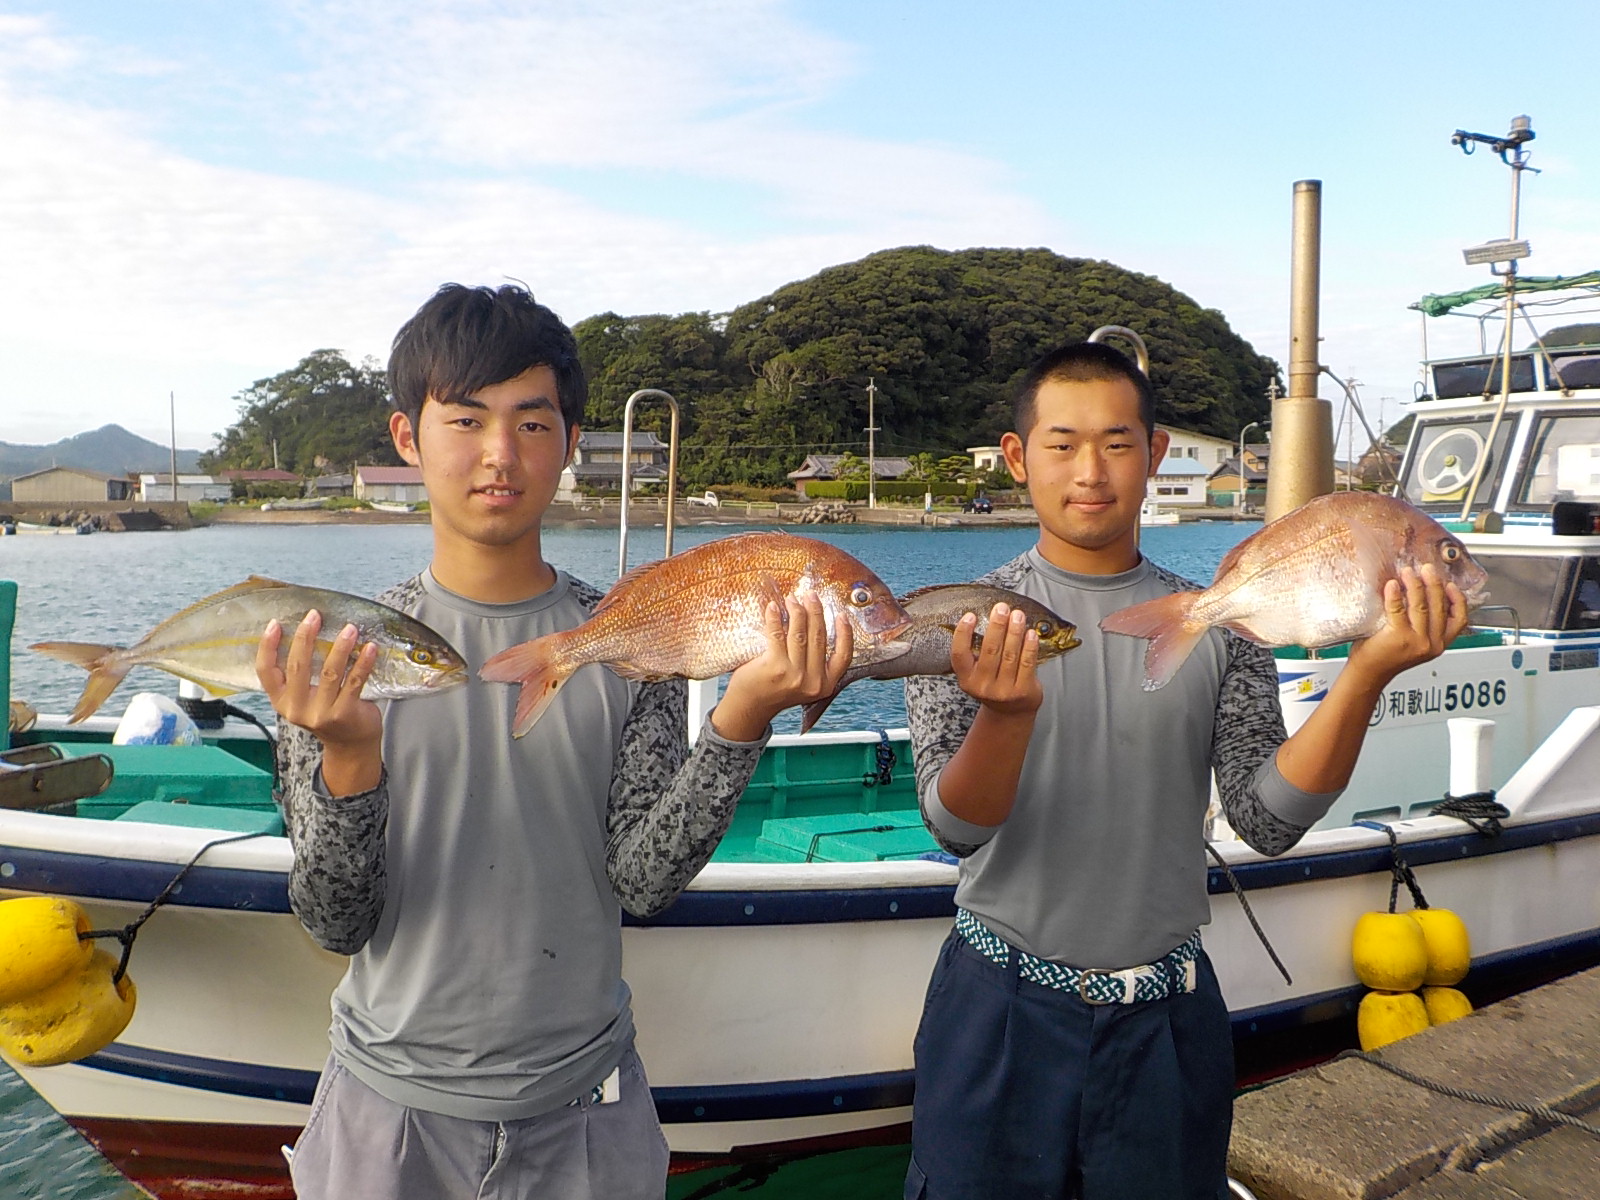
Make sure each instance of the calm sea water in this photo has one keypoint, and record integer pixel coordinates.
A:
(114, 588)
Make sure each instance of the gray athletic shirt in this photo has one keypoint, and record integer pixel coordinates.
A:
(477, 886)
(1102, 861)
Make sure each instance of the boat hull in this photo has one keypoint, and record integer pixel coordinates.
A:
(775, 1004)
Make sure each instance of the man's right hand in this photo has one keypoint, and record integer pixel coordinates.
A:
(1001, 673)
(330, 706)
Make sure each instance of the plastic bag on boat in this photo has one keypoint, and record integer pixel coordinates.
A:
(152, 719)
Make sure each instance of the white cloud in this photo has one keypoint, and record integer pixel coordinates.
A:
(162, 270)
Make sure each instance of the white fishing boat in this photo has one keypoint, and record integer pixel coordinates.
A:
(1151, 513)
(776, 1001)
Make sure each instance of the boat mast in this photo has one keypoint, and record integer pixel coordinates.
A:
(1302, 423)
(1507, 250)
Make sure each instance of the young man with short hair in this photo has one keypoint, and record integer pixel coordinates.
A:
(482, 1038)
(1074, 1041)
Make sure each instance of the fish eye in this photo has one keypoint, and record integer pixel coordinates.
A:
(1044, 628)
(421, 655)
(860, 595)
(1450, 552)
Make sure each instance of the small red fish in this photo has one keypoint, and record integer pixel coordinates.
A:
(1314, 577)
(701, 613)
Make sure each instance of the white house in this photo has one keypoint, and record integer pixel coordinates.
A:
(1203, 448)
(1179, 483)
(192, 489)
(987, 458)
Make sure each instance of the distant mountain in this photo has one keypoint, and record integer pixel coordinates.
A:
(111, 450)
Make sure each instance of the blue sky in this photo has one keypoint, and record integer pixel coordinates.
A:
(197, 193)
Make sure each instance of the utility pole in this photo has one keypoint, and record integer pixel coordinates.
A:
(172, 429)
(872, 428)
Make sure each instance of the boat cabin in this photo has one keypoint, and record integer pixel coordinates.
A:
(1537, 469)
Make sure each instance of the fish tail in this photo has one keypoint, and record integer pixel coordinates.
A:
(105, 671)
(810, 714)
(1166, 622)
(540, 670)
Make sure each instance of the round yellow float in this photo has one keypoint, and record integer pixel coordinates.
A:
(1390, 952)
(72, 1018)
(1444, 1004)
(1449, 947)
(39, 943)
(1386, 1017)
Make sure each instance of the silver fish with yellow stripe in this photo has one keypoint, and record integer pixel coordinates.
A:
(213, 643)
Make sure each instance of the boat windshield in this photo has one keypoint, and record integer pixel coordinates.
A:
(1563, 460)
(1547, 592)
(1445, 455)
(1574, 369)
(1480, 377)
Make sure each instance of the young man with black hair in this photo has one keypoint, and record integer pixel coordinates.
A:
(482, 1038)
(1074, 1042)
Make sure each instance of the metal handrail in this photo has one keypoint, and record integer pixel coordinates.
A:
(1516, 620)
(1127, 335)
(627, 471)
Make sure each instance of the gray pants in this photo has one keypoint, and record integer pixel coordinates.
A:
(359, 1146)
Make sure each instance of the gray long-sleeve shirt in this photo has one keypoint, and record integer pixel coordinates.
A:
(477, 887)
(1102, 860)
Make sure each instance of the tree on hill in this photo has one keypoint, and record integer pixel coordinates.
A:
(323, 408)
(943, 336)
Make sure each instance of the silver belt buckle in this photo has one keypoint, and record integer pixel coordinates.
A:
(1083, 982)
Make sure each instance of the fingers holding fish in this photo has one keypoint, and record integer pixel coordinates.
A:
(797, 667)
(324, 698)
(1424, 613)
(1001, 673)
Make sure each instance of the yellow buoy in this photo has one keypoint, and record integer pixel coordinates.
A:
(39, 943)
(1386, 1017)
(1389, 952)
(71, 1018)
(1449, 947)
(1444, 1004)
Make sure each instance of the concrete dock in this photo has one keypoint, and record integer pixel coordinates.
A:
(1350, 1130)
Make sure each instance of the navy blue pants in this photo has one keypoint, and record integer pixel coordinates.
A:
(1027, 1091)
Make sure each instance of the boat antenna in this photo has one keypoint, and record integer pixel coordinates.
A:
(1506, 250)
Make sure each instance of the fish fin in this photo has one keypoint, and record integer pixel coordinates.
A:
(625, 584)
(1172, 635)
(255, 583)
(212, 688)
(811, 712)
(104, 673)
(628, 671)
(537, 668)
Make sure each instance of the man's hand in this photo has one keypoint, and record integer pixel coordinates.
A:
(1425, 613)
(1001, 673)
(330, 706)
(795, 668)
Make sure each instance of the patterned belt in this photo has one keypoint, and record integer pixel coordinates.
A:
(1171, 975)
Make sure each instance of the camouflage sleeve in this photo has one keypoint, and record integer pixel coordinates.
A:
(939, 714)
(668, 807)
(338, 877)
(1248, 731)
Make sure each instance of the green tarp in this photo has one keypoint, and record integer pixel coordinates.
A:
(1437, 306)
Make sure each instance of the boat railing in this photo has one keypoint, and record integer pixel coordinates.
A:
(627, 470)
(702, 692)
(1516, 620)
(1141, 353)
